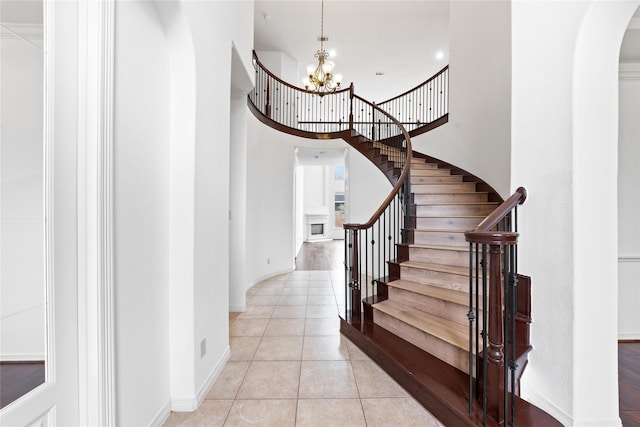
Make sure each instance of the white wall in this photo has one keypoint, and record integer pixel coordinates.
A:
(565, 62)
(477, 137)
(142, 100)
(629, 203)
(22, 229)
(175, 75)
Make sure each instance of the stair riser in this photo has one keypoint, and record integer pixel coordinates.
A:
(439, 238)
(430, 172)
(444, 188)
(423, 165)
(445, 309)
(435, 256)
(424, 199)
(436, 278)
(445, 223)
(454, 210)
(429, 343)
(415, 180)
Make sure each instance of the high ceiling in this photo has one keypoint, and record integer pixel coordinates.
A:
(397, 38)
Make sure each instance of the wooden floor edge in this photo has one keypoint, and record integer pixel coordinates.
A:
(439, 387)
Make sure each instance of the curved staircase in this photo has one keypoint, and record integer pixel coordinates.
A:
(412, 304)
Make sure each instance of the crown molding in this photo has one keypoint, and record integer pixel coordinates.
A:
(629, 71)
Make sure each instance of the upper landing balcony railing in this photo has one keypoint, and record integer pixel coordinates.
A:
(302, 113)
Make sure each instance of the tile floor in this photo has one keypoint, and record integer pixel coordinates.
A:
(290, 366)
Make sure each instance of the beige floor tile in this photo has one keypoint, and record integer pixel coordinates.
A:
(297, 275)
(296, 284)
(330, 413)
(322, 311)
(279, 348)
(212, 413)
(289, 312)
(248, 327)
(295, 291)
(321, 299)
(263, 300)
(319, 275)
(406, 412)
(325, 348)
(270, 290)
(257, 312)
(271, 285)
(321, 291)
(316, 327)
(293, 300)
(355, 353)
(284, 328)
(372, 381)
(263, 413)
(271, 380)
(320, 284)
(243, 348)
(327, 380)
(228, 383)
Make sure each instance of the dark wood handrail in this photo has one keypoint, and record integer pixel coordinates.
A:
(517, 198)
(401, 180)
(279, 80)
(417, 87)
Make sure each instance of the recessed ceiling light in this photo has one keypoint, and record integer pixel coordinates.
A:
(332, 53)
(439, 55)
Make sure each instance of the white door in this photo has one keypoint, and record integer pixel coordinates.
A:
(78, 390)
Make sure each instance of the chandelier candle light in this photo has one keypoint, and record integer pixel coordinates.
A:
(321, 79)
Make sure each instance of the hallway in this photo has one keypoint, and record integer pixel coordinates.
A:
(290, 366)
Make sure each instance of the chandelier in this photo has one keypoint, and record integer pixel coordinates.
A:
(320, 78)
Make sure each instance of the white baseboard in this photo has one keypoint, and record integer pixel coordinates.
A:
(237, 308)
(162, 416)
(630, 337)
(543, 403)
(192, 403)
(24, 357)
(270, 275)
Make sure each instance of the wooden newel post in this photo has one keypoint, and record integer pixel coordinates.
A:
(495, 349)
(355, 279)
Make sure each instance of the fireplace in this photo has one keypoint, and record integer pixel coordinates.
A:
(317, 227)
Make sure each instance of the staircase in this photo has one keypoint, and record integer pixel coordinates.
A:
(412, 303)
(428, 304)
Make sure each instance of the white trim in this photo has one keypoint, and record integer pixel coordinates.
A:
(162, 416)
(629, 71)
(237, 308)
(23, 357)
(192, 403)
(550, 407)
(95, 209)
(269, 276)
(635, 336)
(629, 258)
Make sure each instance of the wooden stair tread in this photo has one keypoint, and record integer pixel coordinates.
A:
(457, 203)
(463, 271)
(452, 216)
(440, 247)
(450, 332)
(444, 294)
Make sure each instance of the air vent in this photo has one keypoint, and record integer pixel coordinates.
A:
(379, 73)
